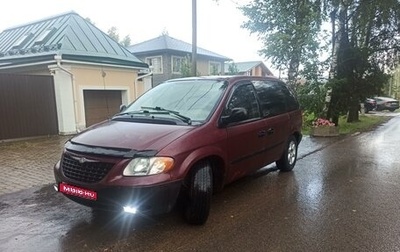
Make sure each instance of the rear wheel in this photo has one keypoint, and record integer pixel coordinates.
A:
(198, 194)
(391, 110)
(289, 156)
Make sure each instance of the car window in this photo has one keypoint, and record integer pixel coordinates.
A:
(195, 99)
(244, 97)
(272, 97)
(290, 98)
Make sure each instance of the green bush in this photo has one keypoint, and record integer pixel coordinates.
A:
(311, 97)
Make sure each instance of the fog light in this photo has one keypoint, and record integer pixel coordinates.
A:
(130, 209)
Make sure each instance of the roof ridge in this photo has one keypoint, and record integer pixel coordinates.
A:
(42, 20)
(245, 62)
(164, 37)
(146, 41)
(166, 42)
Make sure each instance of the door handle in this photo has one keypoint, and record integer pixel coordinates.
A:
(261, 133)
(270, 131)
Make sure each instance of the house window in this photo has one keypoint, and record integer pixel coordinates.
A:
(214, 68)
(155, 63)
(177, 63)
(44, 36)
(22, 40)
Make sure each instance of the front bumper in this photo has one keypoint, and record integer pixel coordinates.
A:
(149, 200)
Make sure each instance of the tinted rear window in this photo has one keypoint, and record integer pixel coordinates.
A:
(275, 98)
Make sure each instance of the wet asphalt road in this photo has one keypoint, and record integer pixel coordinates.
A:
(343, 195)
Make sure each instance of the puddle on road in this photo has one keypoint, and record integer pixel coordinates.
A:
(44, 220)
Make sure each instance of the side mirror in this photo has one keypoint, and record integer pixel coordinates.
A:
(122, 107)
(236, 115)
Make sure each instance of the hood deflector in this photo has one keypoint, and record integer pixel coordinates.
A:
(108, 151)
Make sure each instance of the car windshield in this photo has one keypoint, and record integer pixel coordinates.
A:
(191, 99)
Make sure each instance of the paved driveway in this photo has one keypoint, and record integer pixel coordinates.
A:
(29, 163)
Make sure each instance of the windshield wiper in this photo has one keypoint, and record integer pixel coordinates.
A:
(129, 113)
(176, 113)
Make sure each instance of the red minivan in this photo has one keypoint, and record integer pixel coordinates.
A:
(185, 137)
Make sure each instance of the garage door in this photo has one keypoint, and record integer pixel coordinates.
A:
(101, 105)
(27, 106)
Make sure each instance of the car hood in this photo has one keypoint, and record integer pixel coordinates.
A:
(131, 135)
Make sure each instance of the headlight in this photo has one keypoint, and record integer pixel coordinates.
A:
(148, 166)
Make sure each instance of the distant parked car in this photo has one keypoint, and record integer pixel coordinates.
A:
(369, 105)
(386, 103)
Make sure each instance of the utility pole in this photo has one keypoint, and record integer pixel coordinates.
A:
(194, 37)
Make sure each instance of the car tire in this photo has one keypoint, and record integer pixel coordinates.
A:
(288, 160)
(198, 194)
(392, 110)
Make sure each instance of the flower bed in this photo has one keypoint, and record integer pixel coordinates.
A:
(324, 128)
(325, 131)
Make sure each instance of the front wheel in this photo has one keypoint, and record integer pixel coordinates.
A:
(198, 194)
(289, 156)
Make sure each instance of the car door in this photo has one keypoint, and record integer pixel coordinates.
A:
(245, 136)
(272, 97)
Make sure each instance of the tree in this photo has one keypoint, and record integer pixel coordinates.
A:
(312, 98)
(232, 68)
(288, 31)
(113, 33)
(90, 21)
(365, 43)
(186, 66)
(126, 41)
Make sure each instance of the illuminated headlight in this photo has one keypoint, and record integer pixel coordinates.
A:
(148, 166)
(130, 209)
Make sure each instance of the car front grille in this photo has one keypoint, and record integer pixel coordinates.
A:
(84, 170)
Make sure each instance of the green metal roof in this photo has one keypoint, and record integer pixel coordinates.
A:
(68, 35)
